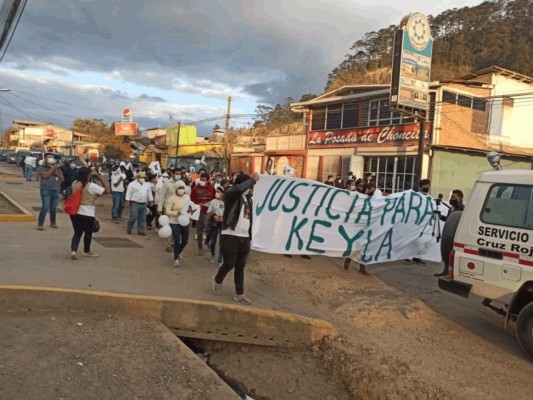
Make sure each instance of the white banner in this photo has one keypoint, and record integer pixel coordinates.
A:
(299, 216)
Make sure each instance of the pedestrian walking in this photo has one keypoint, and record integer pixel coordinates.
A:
(180, 233)
(70, 175)
(50, 185)
(215, 213)
(29, 164)
(138, 198)
(118, 177)
(153, 214)
(202, 194)
(236, 235)
(84, 220)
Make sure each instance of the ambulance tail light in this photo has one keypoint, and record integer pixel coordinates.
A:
(451, 260)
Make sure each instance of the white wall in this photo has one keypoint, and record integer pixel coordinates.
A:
(510, 119)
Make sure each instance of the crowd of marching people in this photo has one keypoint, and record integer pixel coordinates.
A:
(171, 201)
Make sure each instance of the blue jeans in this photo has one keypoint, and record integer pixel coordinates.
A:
(68, 191)
(180, 234)
(118, 205)
(137, 213)
(214, 233)
(49, 200)
(28, 172)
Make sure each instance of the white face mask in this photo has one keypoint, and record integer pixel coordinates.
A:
(142, 180)
(352, 188)
(180, 192)
(218, 195)
(51, 160)
(201, 183)
(72, 166)
(177, 178)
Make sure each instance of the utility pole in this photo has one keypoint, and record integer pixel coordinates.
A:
(226, 136)
(177, 145)
(420, 156)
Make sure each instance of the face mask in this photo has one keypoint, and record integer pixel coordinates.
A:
(72, 166)
(201, 183)
(218, 195)
(142, 180)
(180, 192)
(51, 160)
(454, 202)
(177, 177)
(352, 188)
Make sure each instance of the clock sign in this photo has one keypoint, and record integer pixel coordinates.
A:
(419, 32)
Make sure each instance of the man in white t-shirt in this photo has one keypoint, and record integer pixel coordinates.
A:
(29, 165)
(117, 192)
(236, 235)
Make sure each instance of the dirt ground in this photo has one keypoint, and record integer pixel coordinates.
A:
(390, 346)
(6, 207)
(94, 356)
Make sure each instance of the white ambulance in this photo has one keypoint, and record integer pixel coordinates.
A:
(489, 249)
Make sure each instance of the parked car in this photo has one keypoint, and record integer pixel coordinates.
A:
(4, 153)
(11, 157)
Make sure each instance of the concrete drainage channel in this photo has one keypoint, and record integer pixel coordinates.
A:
(260, 354)
(198, 347)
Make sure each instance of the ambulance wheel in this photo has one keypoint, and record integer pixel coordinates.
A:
(448, 235)
(524, 330)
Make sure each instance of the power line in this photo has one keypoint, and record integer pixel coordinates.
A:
(17, 8)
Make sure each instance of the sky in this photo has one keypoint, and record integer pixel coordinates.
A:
(179, 60)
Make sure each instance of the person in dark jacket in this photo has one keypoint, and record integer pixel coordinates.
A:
(236, 235)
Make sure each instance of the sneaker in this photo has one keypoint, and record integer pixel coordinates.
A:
(168, 249)
(241, 298)
(212, 259)
(177, 263)
(200, 252)
(89, 254)
(217, 287)
(116, 221)
(53, 226)
(129, 231)
(73, 255)
(418, 261)
(40, 227)
(141, 234)
(180, 258)
(149, 228)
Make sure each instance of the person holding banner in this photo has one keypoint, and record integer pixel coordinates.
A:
(236, 235)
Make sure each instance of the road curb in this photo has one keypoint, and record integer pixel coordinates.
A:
(26, 216)
(185, 317)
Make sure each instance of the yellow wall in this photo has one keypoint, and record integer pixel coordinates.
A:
(187, 135)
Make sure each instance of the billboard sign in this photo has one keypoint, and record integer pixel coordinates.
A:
(125, 129)
(411, 64)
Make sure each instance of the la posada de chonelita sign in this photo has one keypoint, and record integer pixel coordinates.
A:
(392, 135)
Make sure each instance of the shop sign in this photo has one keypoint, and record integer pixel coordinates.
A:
(160, 141)
(392, 135)
(125, 129)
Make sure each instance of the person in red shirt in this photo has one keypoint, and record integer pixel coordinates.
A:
(202, 194)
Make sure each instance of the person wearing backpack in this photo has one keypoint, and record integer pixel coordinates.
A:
(83, 219)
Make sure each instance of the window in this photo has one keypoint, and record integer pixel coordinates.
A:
(379, 113)
(350, 115)
(319, 119)
(391, 174)
(334, 116)
(330, 166)
(509, 205)
(464, 101)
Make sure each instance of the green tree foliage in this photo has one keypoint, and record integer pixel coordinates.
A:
(280, 114)
(114, 147)
(496, 32)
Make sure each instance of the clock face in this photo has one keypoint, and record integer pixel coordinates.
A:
(419, 32)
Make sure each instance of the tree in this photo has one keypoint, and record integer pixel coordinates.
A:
(115, 147)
